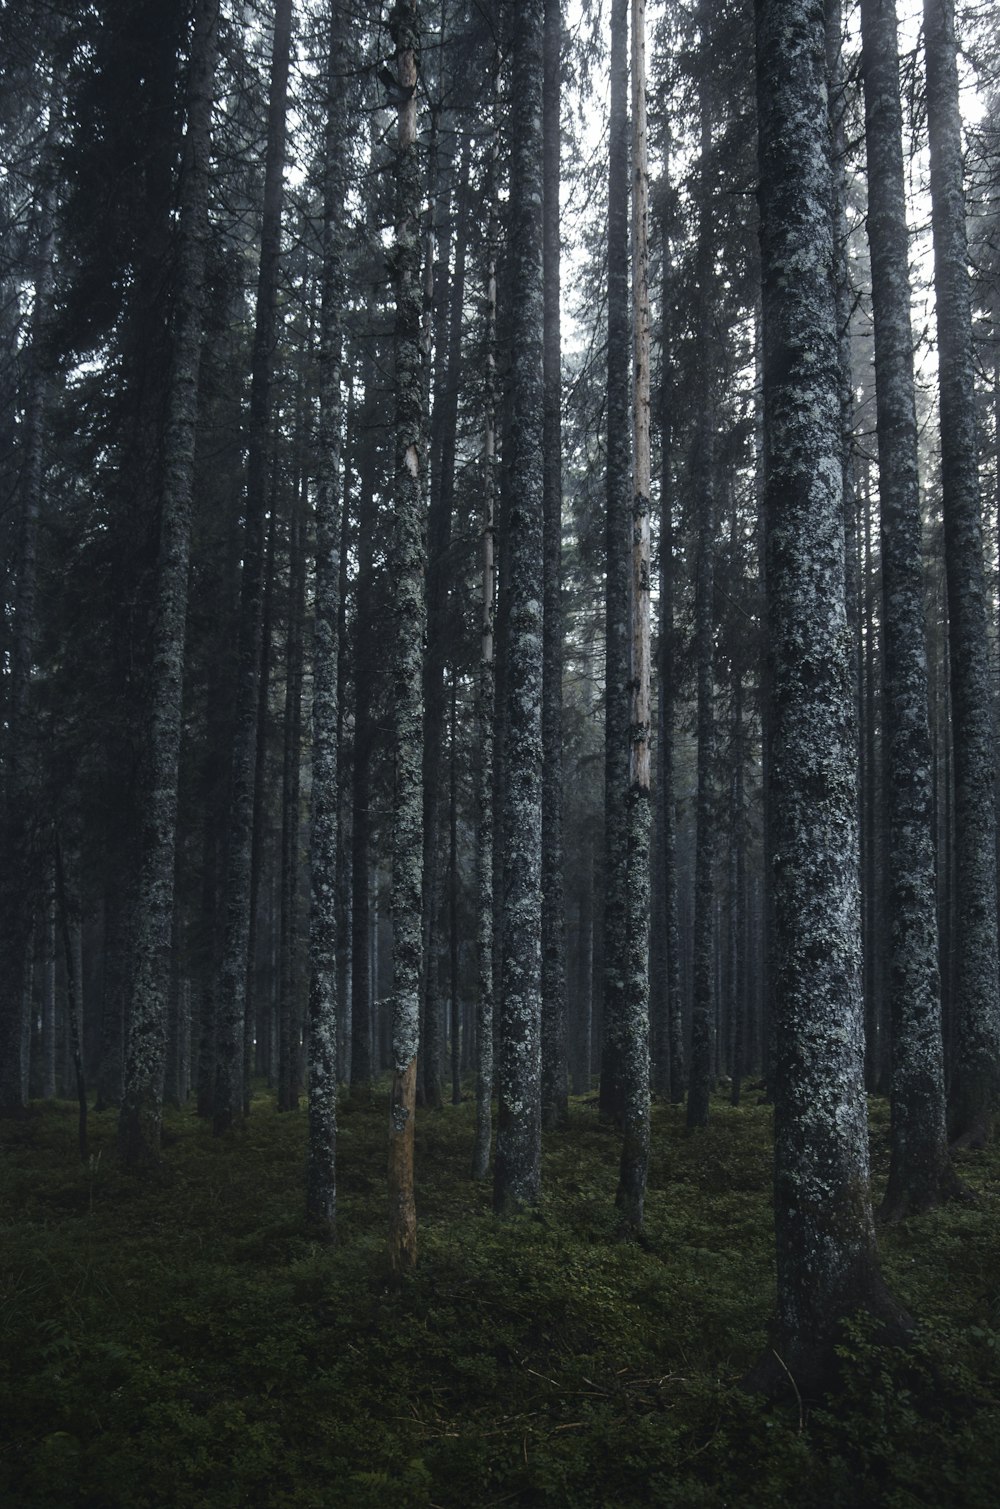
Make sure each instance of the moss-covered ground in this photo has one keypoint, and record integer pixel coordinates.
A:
(180, 1340)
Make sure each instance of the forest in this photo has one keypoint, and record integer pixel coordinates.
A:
(499, 670)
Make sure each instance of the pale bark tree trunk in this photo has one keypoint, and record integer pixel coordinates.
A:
(920, 1172)
(619, 489)
(152, 929)
(321, 1170)
(976, 1059)
(517, 1171)
(827, 1265)
(228, 1106)
(635, 1021)
(554, 1068)
(407, 567)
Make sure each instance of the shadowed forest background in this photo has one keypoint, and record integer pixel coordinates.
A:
(499, 994)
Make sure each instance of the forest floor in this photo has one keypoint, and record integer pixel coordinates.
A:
(180, 1340)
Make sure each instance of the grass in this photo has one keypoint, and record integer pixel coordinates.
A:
(181, 1341)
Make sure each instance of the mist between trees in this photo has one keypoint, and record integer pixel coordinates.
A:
(397, 702)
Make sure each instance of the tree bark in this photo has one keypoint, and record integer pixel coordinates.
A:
(619, 490)
(228, 1106)
(635, 1021)
(321, 1167)
(920, 1172)
(407, 566)
(976, 1059)
(152, 928)
(517, 1170)
(555, 1088)
(827, 1265)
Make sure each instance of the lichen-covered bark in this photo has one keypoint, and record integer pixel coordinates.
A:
(673, 1026)
(321, 1168)
(517, 1168)
(826, 1256)
(617, 574)
(919, 1165)
(976, 1057)
(635, 1021)
(407, 567)
(485, 711)
(554, 1070)
(230, 999)
(145, 1041)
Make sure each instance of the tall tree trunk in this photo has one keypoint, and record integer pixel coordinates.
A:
(19, 872)
(704, 462)
(827, 1265)
(554, 1069)
(517, 1171)
(919, 1171)
(635, 1021)
(321, 1171)
(232, 976)
(407, 566)
(444, 424)
(976, 1062)
(485, 709)
(365, 672)
(152, 929)
(619, 490)
(289, 1023)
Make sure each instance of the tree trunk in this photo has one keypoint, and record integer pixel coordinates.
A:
(152, 930)
(321, 1170)
(407, 566)
(635, 1021)
(232, 975)
(289, 1025)
(977, 999)
(919, 1172)
(827, 1264)
(517, 1171)
(485, 708)
(19, 875)
(619, 490)
(703, 1035)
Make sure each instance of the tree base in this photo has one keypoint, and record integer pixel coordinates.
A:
(901, 1202)
(807, 1370)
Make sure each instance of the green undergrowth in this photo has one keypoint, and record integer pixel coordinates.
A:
(181, 1340)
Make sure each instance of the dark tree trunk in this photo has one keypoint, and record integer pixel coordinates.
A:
(827, 1265)
(152, 930)
(485, 709)
(19, 874)
(230, 1009)
(517, 1171)
(321, 1169)
(554, 1070)
(703, 1008)
(919, 1172)
(977, 1040)
(619, 492)
(289, 1023)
